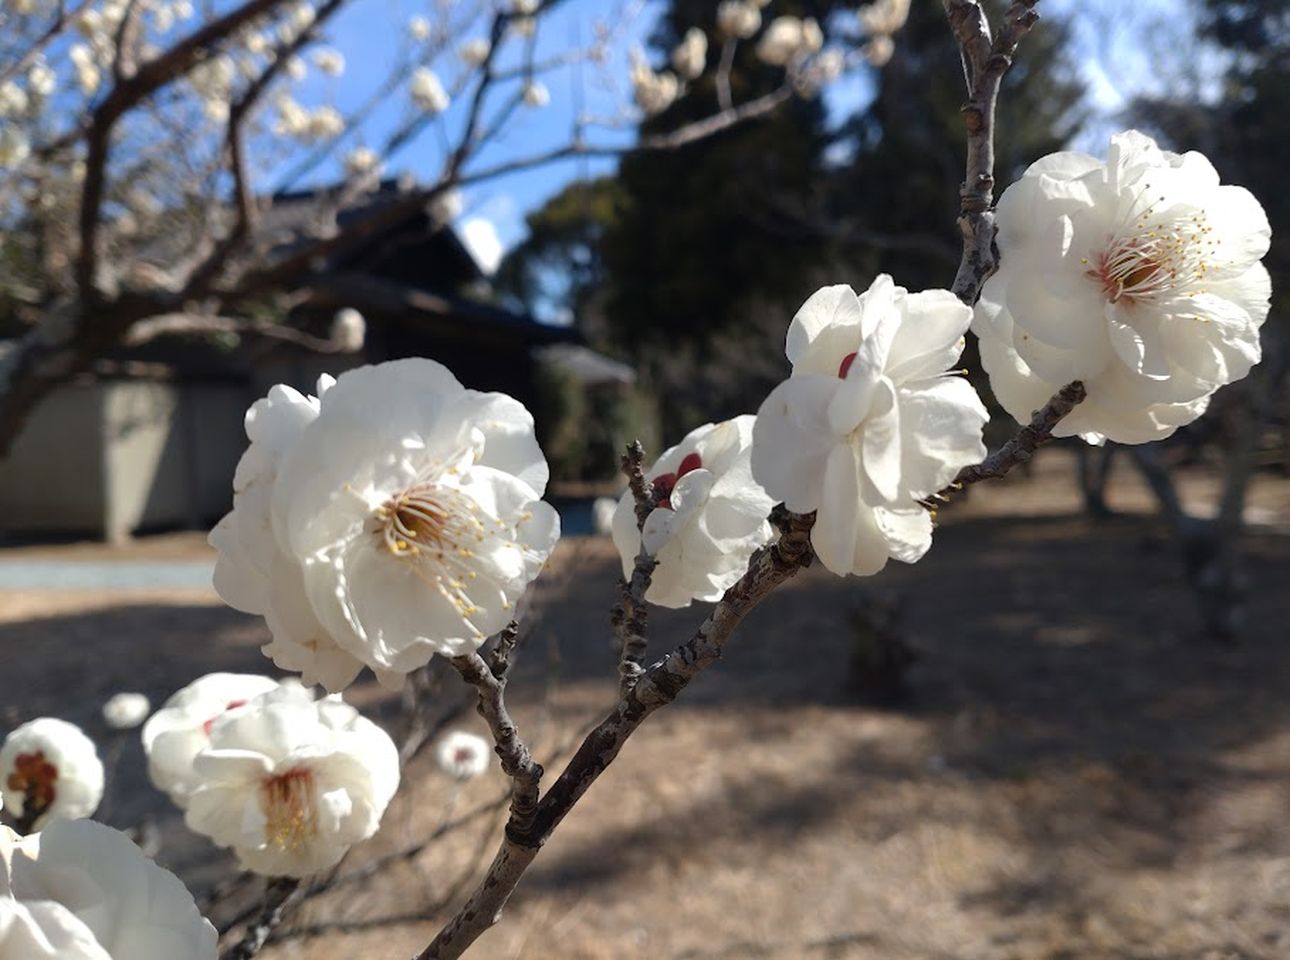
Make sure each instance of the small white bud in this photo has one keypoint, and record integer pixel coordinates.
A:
(125, 711)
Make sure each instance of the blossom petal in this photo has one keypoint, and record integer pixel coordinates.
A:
(881, 444)
(834, 534)
(907, 533)
(941, 428)
(931, 337)
(825, 329)
(792, 440)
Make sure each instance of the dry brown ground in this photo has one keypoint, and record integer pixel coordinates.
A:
(1075, 777)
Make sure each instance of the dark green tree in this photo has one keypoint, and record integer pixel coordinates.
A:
(696, 261)
(558, 271)
(893, 204)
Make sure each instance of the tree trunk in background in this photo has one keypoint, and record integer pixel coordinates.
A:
(1094, 473)
(1211, 545)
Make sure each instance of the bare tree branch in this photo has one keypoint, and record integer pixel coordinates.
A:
(985, 61)
(659, 685)
(48, 36)
(195, 324)
(1021, 447)
(279, 893)
(291, 269)
(517, 761)
(630, 614)
(244, 202)
(149, 78)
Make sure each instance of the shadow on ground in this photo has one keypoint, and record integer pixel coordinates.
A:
(1075, 770)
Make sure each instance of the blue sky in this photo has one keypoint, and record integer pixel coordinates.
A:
(1114, 38)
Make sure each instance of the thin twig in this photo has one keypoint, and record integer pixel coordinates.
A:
(630, 615)
(771, 566)
(985, 60)
(278, 893)
(502, 656)
(1021, 447)
(517, 762)
(50, 34)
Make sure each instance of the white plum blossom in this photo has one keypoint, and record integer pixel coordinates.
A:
(163, 19)
(254, 573)
(362, 162)
(79, 890)
(710, 515)
(13, 99)
(415, 507)
(257, 43)
(330, 62)
(446, 206)
(301, 16)
(290, 784)
(175, 734)
(1139, 275)
(820, 72)
(41, 80)
(870, 422)
(883, 17)
(738, 19)
(14, 146)
(474, 51)
(879, 50)
(419, 27)
(125, 711)
(324, 123)
(87, 71)
(52, 766)
(348, 330)
(788, 40)
(427, 91)
(293, 120)
(536, 94)
(463, 755)
(653, 92)
(213, 78)
(397, 517)
(691, 54)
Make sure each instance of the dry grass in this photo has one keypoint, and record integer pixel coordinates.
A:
(1076, 776)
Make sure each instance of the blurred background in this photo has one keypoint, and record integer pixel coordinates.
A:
(1065, 733)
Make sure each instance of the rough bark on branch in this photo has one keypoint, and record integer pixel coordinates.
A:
(1021, 447)
(630, 615)
(278, 893)
(517, 760)
(658, 686)
(986, 59)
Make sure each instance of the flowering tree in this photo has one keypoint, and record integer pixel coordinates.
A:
(397, 515)
(137, 140)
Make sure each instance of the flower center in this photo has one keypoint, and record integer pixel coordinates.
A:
(443, 532)
(663, 484)
(462, 756)
(287, 800)
(1154, 255)
(429, 519)
(34, 777)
